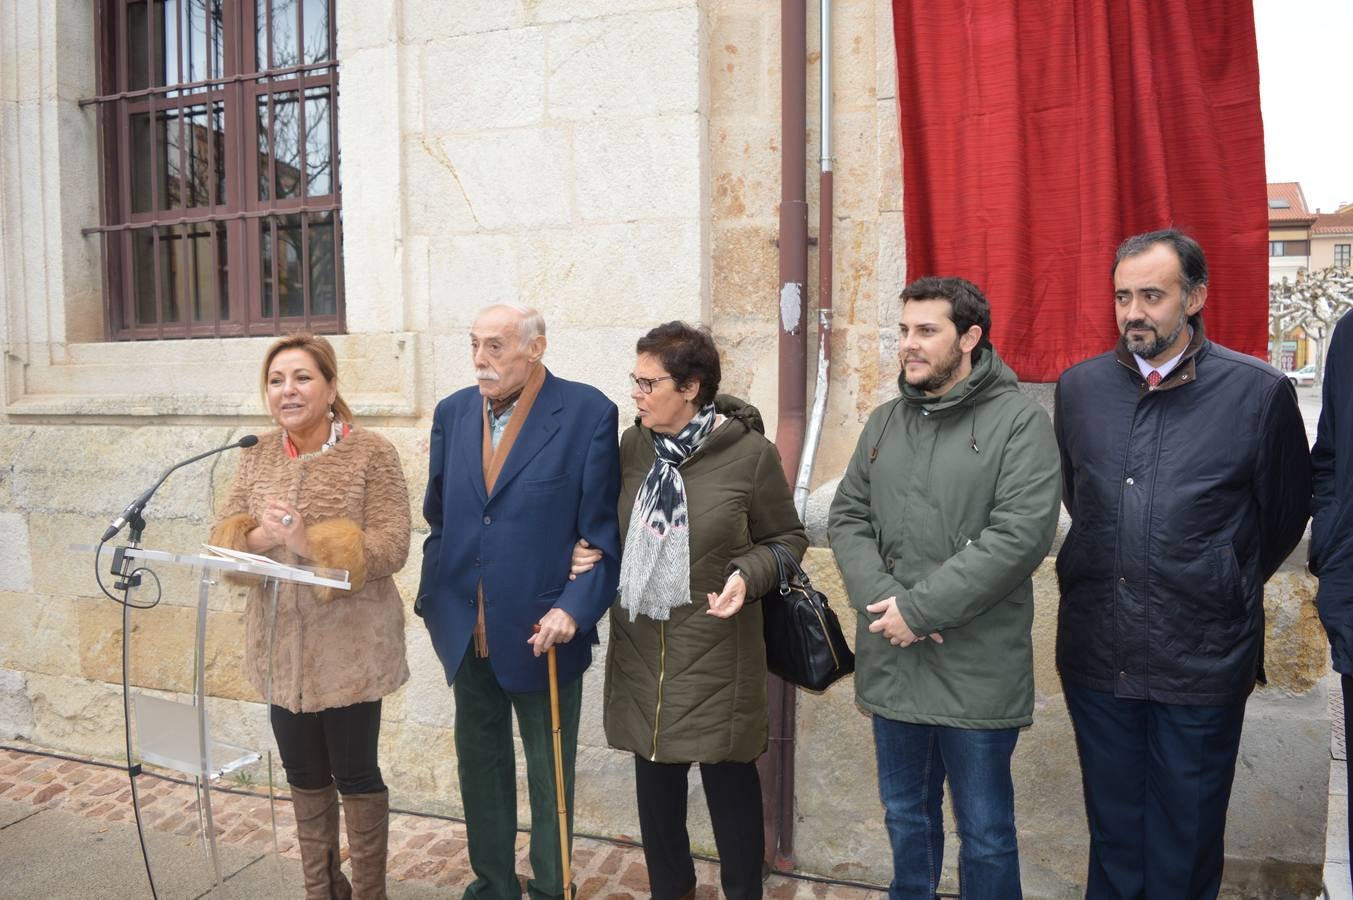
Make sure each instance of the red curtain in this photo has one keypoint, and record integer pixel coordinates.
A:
(1037, 134)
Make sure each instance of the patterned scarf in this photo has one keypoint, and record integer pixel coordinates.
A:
(655, 569)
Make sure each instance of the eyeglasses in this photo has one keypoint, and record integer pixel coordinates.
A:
(646, 384)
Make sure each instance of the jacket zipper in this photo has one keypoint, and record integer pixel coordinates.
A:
(662, 671)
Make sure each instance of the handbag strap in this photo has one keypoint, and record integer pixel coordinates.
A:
(789, 569)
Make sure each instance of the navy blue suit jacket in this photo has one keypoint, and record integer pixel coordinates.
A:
(559, 483)
(1332, 506)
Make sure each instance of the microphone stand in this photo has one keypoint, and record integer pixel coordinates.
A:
(128, 578)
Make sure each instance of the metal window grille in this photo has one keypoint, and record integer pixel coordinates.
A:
(219, 182)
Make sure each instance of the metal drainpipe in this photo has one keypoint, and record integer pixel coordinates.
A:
(824, 275)
(814, 433)
(777, 765)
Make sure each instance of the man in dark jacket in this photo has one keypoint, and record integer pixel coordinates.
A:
(1332, 512)
(1186, 473)
(947, 507)
(520, 467)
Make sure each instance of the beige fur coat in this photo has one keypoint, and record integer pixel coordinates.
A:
(329, 651)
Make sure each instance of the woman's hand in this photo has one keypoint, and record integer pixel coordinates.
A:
(585, 556)
(268, 534)
(285, 527)
(727, 604)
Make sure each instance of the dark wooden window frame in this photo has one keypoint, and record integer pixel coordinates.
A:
(241, 222)
(1289, 248)
(1342, 255)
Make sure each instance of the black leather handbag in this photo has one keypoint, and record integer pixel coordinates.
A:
(804, 643)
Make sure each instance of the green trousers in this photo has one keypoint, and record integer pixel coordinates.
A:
(488, 779)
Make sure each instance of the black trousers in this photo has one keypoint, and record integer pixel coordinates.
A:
(733, 793)
(332, 745)
(1157, 779)
(1347, 683)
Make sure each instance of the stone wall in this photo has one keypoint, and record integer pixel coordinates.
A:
(613, 162)
(744, 77)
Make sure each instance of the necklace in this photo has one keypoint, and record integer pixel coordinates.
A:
(337, 431)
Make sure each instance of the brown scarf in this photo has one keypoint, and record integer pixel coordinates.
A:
(493, 461)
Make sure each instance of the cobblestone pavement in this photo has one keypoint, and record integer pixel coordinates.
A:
(423, 849)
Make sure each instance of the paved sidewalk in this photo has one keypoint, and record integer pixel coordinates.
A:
(1337, 883)
(67, 829)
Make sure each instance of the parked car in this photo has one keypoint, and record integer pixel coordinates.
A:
(1303, 376)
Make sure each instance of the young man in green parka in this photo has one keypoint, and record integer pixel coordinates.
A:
(947, 506)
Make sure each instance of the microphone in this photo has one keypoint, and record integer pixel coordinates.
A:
(134, 508)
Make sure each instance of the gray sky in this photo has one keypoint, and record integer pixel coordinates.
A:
(1305, 88)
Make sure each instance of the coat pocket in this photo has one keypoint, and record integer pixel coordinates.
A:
(544, 485)
(1230, 587)
(1332, 536)
(1069, 563)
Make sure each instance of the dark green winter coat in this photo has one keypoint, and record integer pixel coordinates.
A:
(951, 516)
(693, 688)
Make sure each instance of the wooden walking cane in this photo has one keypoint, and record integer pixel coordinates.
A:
(560, 802)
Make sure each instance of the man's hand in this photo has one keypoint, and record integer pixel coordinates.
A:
(556, 627)
(892, 626)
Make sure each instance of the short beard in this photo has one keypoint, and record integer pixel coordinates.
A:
(940, 372)
(1150, 349)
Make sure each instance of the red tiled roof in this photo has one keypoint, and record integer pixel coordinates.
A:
(1334, 223)
(1295, 212)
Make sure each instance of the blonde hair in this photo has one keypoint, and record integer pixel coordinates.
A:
(326, 361)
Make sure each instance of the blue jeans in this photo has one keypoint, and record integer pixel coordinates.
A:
(912, 762)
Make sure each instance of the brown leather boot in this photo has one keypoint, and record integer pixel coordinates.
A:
(317, 835)
(368, 823)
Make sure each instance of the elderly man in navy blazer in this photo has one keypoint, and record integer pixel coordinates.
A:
(521, 467)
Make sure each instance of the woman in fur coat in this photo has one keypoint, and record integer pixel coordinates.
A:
(321, 492)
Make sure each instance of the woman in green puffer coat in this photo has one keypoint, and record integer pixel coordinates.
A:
(702, 495)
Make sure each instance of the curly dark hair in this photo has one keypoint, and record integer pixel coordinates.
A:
(688, 354)
(967, 305)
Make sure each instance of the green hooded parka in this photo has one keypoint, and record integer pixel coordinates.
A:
(949, 504)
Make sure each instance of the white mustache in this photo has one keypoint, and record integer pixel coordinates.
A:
(486, 375)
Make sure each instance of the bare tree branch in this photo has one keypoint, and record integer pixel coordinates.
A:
(1314, 302)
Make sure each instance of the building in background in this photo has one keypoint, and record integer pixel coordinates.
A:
(1332, 239)
(182, 180)
(1289, 231)
(1309, 258)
